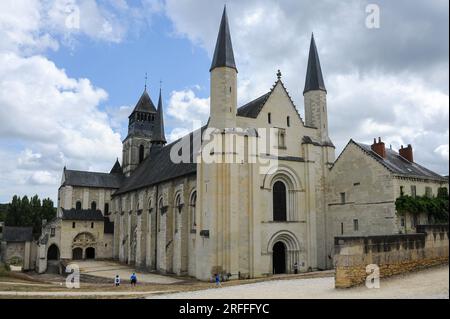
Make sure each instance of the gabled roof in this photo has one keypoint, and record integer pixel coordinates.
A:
(314, 78)
(223, 53)
(145, 104)
(17, 234)
(91, 179)
(399, 165)
(81, 214)
(159, 167)
(253, 108)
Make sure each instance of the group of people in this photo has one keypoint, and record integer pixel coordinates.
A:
(133, 280)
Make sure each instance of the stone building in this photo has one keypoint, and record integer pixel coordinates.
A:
(239, 218)
(364, 183)
(252, 193)
(16, 243)
(82, 228)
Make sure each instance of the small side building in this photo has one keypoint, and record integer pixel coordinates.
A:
(17, 245)
(364, 183)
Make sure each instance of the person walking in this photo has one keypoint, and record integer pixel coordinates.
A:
(133, 279)
(218, 284)
(117, 280)
(295, 268)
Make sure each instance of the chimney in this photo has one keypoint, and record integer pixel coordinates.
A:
(406, 153)
(378, 147)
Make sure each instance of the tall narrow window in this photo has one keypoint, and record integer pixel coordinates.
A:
(413, 190)
(141, 153)
(355, 225)
(93, 206)
(269, 118)
(106, 211)
(192, 205)
(279, 201)
(78, 205)
(288, 121)
(342, 198)
(73, 224)
(342, 228)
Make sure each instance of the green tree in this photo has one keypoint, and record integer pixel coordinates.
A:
(25, 212)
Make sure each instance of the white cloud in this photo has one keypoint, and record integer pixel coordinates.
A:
(391, 82)
(47, 118)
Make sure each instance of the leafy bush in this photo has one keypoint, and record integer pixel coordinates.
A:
(4, 270)
(15, 261)
(436, 207)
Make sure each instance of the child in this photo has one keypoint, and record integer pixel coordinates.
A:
(117, 281)
(133, 279)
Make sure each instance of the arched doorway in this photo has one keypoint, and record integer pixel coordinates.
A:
(77, 253)
(90, 253)
(279, 258)
(53, 252)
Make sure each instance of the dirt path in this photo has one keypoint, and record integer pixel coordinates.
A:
(431, 283)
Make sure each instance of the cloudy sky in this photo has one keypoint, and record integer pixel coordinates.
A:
(71, 71)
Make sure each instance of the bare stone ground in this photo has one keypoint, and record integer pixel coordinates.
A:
(431, 283)
(427, 284)
(109, 269)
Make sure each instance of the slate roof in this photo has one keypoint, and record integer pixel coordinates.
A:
(399, 165)
(145, 104)
(314, 78)
(223, 53)
(91, 179)
(117, 169)
(158, 132)
(252, 108)
(81, 214)
(17, 234)
(159, 167)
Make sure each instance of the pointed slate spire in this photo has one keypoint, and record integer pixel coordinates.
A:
(314, 78)
(223, 53)
(158, 133)
(117, 169)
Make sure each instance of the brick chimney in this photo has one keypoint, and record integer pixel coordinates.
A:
(406, 153)
(378, 147)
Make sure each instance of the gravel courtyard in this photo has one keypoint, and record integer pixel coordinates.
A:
(427, 284)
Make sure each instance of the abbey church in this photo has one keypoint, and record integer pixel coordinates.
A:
(195, 207)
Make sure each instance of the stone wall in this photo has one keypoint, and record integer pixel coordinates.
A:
(393, 254)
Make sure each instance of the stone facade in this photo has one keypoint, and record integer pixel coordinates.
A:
(362, 194)
(393, 254)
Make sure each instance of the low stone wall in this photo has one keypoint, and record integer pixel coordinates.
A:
(393, 254)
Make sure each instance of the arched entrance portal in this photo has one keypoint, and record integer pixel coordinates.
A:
(53, 252)
(279, 258)
(90, 253)
(77, 254)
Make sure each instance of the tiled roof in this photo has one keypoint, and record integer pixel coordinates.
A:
(399, 165)
(81, 214)
(17, 234)
(91, 179)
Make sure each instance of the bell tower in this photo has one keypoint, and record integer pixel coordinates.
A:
(141, 125)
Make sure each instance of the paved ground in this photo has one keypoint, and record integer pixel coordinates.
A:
(109, 269)
(432, 283)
